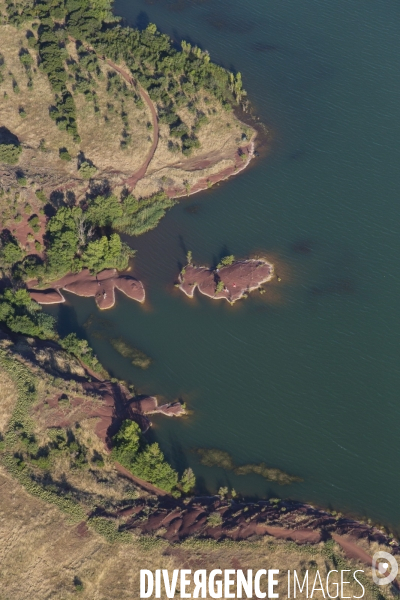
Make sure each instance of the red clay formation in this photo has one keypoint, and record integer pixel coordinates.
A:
(235, 281)
(101, 287)
(176, 520)
(110, 403)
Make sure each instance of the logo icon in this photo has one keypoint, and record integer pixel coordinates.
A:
(388, 569)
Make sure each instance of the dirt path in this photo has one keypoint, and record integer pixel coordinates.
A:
(141, 172)
(352, 550)
(131, 181)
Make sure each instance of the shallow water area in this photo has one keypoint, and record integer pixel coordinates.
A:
(306, 376)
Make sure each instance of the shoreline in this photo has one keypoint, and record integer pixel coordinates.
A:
(100, 287)
(301, 523)
(224, 175)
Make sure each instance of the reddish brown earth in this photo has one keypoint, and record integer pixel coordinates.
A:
(352, 550)
(110, 403)
(206, 182)
(288, 520)
(101, 288)
(239, 279)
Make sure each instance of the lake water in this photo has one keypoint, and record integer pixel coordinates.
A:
(305, 378)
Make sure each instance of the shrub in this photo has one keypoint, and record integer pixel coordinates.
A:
(21, 180)
(86, 170)
(9, 153)
(40, 195)
(226, 261)
(34, 223)
(64, 154)
(214, 519)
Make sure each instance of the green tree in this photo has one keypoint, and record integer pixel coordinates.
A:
(143, 460)
(104, 210)
(86, 170)
(188, 481)
(126, 442)
(10, 253)
(106, 253)
(152, 466)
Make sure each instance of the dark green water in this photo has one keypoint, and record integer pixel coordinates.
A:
(308, 378)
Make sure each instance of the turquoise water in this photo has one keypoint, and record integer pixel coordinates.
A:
(307, 377)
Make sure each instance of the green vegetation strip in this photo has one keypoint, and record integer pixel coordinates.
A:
(26, 388)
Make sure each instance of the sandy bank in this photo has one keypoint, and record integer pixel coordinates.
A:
(101, 288)
(230, 282)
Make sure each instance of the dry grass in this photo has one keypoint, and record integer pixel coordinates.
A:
(8, 398)
(219, 139)
(41, 553)
(101, 136)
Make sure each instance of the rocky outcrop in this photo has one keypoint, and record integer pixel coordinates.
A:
(100, 287)
(110, 403)
(212, 517)
(230, 282)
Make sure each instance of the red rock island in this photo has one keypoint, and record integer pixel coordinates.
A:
(230, 281)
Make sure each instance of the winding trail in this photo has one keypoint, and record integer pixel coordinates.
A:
(141, 172)
(131, 181)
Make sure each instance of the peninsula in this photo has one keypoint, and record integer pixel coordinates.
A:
(101, 128)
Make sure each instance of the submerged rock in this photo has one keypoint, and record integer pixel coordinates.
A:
(137, 357)
(219, 458)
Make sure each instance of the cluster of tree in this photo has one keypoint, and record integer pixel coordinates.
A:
(73, 243)
(129, 215)
(64, 114)
(77, 238)
(23, 315)
(147, 461)
(81, 349)
(63, 442)
(171, 77)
